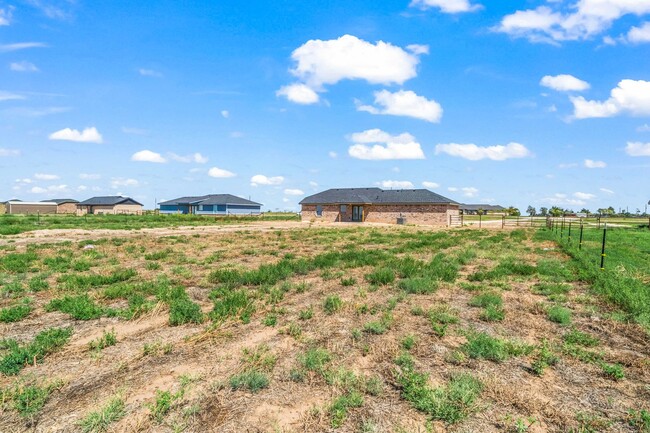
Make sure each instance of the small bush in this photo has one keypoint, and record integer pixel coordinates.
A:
(270, 320)
(408, 342)
(29, 400)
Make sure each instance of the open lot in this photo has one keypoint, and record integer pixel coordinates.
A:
(296, 328)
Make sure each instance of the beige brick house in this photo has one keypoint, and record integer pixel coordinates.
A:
(109, 205)
(406, 206)
(64, 205)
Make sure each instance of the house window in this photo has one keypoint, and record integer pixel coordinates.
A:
(200, 207)
(319, 210)
(344, 208)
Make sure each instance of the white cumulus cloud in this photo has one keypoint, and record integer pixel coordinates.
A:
(629, 97)
(584, 196)
(89, 176)
(148, 156)
(52, 189)
(118, 182)
(637, 149)
(384, 146)
(476, 153)
(430, 185)
(564, 21)
(396, 184)
(564, 83)
(88, 135)
(220, 173)
(299, 93)
(447, 6)
(404, 103)
(260, 179)
(5, 16)
(45, 176)
(290, 191)
(195, 157)
(589, 163)
(23, 67)
(639, 35)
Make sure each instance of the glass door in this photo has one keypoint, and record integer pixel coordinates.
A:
(357, 213)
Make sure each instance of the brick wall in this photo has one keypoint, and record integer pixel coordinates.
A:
(430, 214)
(67, 208)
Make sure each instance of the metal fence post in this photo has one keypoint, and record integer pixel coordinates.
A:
(503, 221)
(602, 253)
(580, 244)
(480, 219)
(569, 238)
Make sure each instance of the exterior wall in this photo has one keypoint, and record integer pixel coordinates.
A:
(34, 208)
(134, 209)
(427, 214)
(2, 208)
(67, 208)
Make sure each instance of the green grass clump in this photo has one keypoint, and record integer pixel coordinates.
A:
(44, 343)
(79, 282)
(378, 327)
(551, 289)
(306, 314)
(559, 314)
(251, 380)
(29, 400)
(163, 404)
(38, 283)
(640, 419)
(507, 267)
(79, 307)
(408, 342)
(107, 339)
(543, 358)
(183, 310)
(556, 270)
(381, 276)
(493, 313)
(315, 359)
(17, 263)
(442, 268)
(349, 281)
(235, 303)
(332, 304)
(339, 409)
(613, 371)
(100, 420)
(418, 285)
(483, 346)
(270, 319)
(489, 299)
(451, 403)
(441, 317)
(15, 313)
(580, 338)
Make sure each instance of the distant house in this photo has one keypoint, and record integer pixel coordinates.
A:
(64, 205)
(109, 205)
(29, 207)
(212, 204)
(417, 206)
(473, 209)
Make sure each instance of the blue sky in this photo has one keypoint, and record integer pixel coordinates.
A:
(538, 102)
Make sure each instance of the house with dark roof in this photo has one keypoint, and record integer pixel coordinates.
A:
(412, 206)
(109, 205)
(474, 209)
(211, 204)
(64, 205)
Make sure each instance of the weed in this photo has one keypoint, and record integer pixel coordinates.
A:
(315, 359)
(559, 314)
(493, 313)
(489, 299)
(100, 420)
(183, 311)
(78, 282)
(306, 314)
(16, 313)
(332, 304)
(580, 338)
(17, 263)
(441, 317)
(549, 289)
(231, 304)
(481, 345)
(107, 339)
(543, 359)
(294, 330)
(270, 319)
(157, 348)
(408, 342)
(79, 307)
(339, 409)
(613, 371)
(29, 400)
(163, 404)
(381, 276)
(38, 283)
(349, 281)
(251, 380)
(640, 419)
(418, 285)
(45, 343)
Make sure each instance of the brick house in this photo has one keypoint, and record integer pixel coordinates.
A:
(109, 205)
(64, 205)
(410, 206)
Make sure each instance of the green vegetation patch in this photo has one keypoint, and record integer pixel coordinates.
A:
(17, 312)
(483, 346)
(100, 420)
(45, 343)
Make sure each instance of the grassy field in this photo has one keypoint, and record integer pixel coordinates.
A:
(320, 329)
(14, 224)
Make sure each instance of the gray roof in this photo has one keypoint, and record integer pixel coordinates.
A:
(473, 207)
(61, 200)
(375, 196)
(211, 199)
(108, 201)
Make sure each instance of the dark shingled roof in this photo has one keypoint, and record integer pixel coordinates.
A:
(475, 207)
(108, 201)
(211, 199)
(376, 196)
(60, 200)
